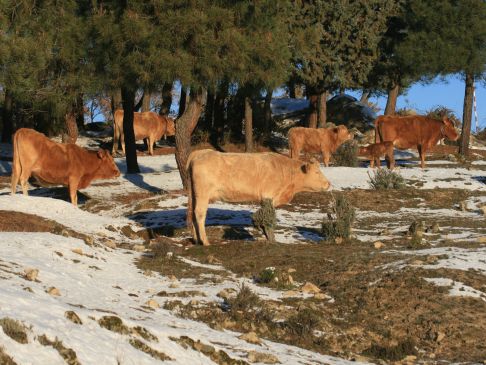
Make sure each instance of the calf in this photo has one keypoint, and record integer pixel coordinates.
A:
(375, 150)
(312, 140)
(244, 177)
(54, 163)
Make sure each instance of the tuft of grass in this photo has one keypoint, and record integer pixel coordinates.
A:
(69, 355)
(139, 345)
(113, 323)
(5, 359)
(265, 219)
(392, 353)
(14, 329)
(244, 300)
(384, 179)
(339, 223)
(304, 323)
(347, 154)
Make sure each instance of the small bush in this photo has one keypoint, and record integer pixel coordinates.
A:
(245, 299)
(265, 219)
(304, 323)
(440, 111)
(267, 275)
(340, 222)
(384, 179)
(347, 154)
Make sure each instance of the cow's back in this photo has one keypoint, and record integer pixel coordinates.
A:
(307, 139)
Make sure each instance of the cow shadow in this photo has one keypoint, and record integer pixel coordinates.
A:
(480, 179)
(310, 234)
(56, 192)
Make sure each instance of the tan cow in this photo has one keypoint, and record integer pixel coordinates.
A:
(321, 140)
(414, 131)
(375, 150)
(54, 163)
(148, 125)
(244, 177)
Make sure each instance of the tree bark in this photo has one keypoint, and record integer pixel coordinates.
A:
(248, 125)
(128, 98)
(79, 111)
(322, 109)
(184, 127)
(166, 99)
(364, 96)
(182, 102)
(467, 115)
(116, 102)
(138, 106)
(267, 115)
(146, 101)
(313, 99)
(71, 134)
(209, 110)
(7, 117)
(391, 102)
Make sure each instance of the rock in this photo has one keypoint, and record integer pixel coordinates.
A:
(434, 228)
(417, 262)
(482, 239)
(77, 251)
(310, 288)
(138, 248)
(226, 293)
(152, 304)
(483, 210)
(431, 259)
(110, 244)
(451, 157)
(409, 358)
(31, 274)
(65, 233)
(291, 270)
(194, 302)
(73, 317)
(148, 273)
(378, 245)
(213, 260)
(89, 240)
(338, 240)
(227, 323)
(172, 278)
(254, 356)
(53, 291)
(174, 285)
(320, 296)
(291, 293)
(463, 206)
(251, 337)
(440, 336)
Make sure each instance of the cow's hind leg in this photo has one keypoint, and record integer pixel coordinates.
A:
(24, 181)
(73, 192)
(200, 211)
(15, 178)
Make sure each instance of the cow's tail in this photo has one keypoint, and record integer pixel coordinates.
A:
(190, 198)
(16, 162)
(378, 131)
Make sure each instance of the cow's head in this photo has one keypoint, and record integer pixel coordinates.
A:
(342, 134)
(170, 127)
(314, 180)
(108, 168)
(448, 130)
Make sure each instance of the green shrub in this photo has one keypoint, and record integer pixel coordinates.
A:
(304, 323)
(267, 275)
(339, 223)
(244, 300)
(384, 179)
(265, 219)
(347, 154)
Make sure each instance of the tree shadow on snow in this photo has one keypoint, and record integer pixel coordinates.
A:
(310, 234)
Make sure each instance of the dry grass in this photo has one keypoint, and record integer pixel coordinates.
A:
(14, 329)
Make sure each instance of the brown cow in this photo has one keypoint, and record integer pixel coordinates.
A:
(54, 163)
(253, 177)
(148, 125)
(375, 150)
(414, 130)
(311, 140)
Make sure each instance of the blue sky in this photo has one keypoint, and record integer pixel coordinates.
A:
(449, 93)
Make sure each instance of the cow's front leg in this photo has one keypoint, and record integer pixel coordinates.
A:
(326, 156)
(122, 140)
(421, 151)
(378, 162)
(73, 191)
(372, 162)
(200, 211)
(150, 141)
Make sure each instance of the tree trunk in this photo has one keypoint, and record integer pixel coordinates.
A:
(291, 87)
(467, 115)
(146, 101)
(116, 102)
(364, 97)
(219, 111)
(313, 99)
(248, 125)
(267, 115)
(182, 101)
(79, 112)
(128, 98)
(209, 110)
(391, 102)
(71, 134)
(322, 109)
(184, 127)
(138, 105)
(166, 99)
(7, 117)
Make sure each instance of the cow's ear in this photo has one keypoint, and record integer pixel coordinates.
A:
(101, 154)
